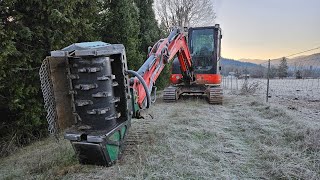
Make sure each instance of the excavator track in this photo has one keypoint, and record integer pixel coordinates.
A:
(170, 94)
(215, 95)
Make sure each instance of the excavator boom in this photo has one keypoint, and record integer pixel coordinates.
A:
(162, 53)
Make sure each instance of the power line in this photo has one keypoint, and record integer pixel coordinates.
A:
(265, 62)
(303, 52)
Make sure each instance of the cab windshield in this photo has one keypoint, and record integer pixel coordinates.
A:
(202, 42)
(202, 47)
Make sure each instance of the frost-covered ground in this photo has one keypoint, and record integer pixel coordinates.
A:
(245, 138)
(301, 95)
(298, 89)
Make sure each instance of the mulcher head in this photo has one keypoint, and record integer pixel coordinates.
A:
(86, 91)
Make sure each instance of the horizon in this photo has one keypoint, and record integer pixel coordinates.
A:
(250, 31)
(293, 57)
(263, 60)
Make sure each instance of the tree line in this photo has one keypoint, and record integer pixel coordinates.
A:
(279, 69)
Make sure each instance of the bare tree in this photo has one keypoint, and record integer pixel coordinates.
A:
(185, 13)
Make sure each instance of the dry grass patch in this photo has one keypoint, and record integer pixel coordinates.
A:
(41, 160)
(190, 139)
(285, 147)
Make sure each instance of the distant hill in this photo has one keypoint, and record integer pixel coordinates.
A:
(240, 67)
(308, 65)
(255, 61)
(301, 61)
(226, 61)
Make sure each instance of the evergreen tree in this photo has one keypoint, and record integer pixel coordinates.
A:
(283, 68)
(149, 30)
(149, 34)
(298, 74)
(120, 25)
(29, 30)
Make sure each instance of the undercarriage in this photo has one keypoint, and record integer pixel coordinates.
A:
(213, 93)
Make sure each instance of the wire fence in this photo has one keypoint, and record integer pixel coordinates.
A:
(293, 80)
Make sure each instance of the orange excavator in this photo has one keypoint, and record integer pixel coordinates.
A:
(88, 91)
(204, 46)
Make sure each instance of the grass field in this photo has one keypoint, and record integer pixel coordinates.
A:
(243, 139)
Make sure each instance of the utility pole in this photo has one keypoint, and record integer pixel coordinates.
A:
(268, 79)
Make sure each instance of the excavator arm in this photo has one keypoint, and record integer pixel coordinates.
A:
(163, 52)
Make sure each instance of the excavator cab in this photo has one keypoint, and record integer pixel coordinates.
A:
(204, 45)
(201, 45)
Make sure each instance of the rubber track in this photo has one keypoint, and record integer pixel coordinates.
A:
(170, 94)
(215, 95)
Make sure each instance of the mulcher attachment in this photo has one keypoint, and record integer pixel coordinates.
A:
(98, 93)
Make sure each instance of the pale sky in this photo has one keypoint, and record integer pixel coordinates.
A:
(268, 29)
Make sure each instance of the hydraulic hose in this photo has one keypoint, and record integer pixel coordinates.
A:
(142, 81)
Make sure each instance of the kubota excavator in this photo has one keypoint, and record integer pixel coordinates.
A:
(204, 46)
(87, 89)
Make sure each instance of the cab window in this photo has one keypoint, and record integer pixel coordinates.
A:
(202, 42)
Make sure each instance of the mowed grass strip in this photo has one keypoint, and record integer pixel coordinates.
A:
(190, 139)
